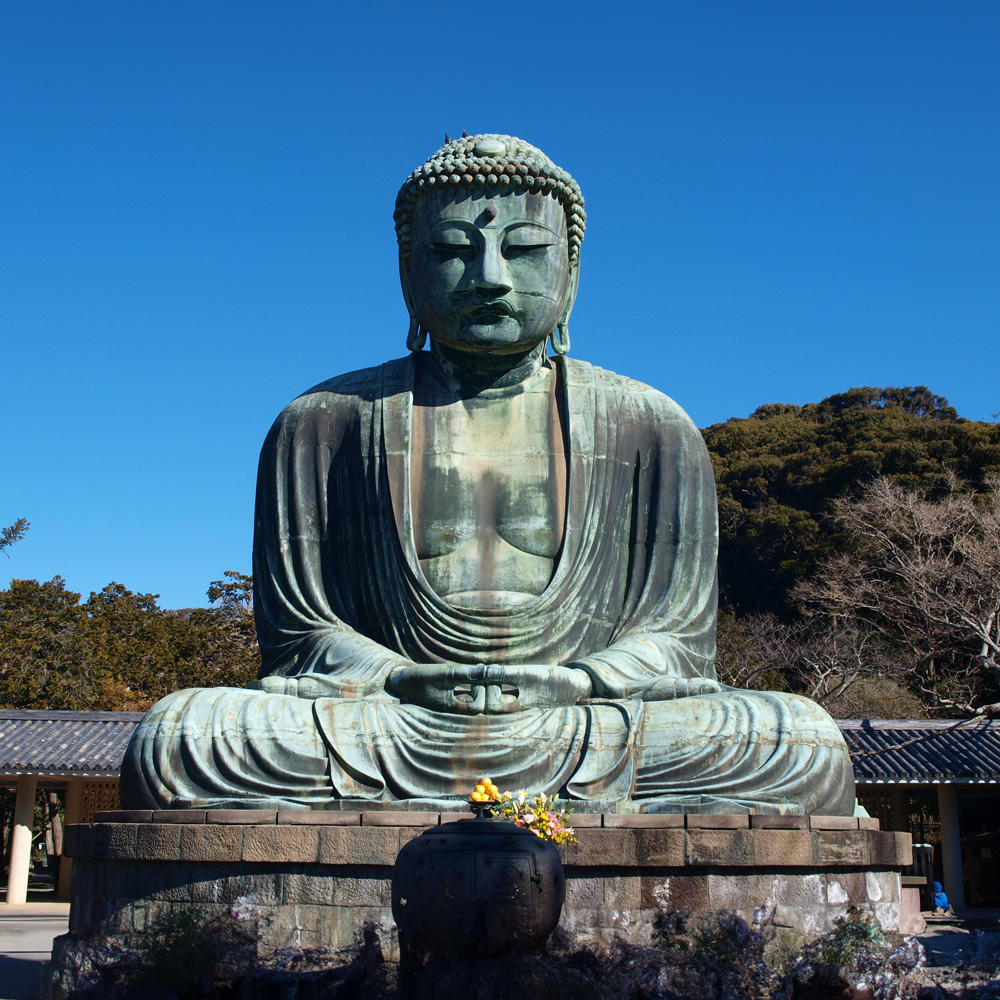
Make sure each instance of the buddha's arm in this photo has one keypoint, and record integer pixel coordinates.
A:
(634, 668)
(307, 647)
(666, 647)
(335, 664)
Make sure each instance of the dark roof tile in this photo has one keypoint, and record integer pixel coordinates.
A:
(922, 750)
(83, 743)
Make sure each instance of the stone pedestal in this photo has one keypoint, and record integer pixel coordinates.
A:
(313, 879)
(800, 873)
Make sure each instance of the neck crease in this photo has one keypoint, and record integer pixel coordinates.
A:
(478, 372)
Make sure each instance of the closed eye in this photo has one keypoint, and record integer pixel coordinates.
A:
(459, 248)
(520, 249)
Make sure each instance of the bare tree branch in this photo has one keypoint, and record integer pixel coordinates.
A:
(923, 571)
(933, 735)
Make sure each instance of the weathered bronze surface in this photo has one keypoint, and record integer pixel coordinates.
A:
(479, 559)
(475, 887)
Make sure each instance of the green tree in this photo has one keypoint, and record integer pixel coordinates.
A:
(781, 471)
(119, 650)
(41, 626)
(232, 611)
(13, 533)
(129, 647)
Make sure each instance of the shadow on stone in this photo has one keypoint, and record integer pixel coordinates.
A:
(693, 958)
(181, 958)
(719, 957)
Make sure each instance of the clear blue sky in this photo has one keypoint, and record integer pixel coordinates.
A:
(785, 199)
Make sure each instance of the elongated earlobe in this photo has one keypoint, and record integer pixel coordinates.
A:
(559, 338)
(415, 337)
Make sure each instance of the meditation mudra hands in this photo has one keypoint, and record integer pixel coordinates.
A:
(488, 688)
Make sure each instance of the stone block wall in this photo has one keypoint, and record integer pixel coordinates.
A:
(312, 879)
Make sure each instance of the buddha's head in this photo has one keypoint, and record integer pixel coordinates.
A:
(489, 232)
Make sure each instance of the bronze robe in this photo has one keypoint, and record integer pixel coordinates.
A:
(341, 600)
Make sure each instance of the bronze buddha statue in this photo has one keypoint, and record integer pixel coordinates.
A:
(481, 559)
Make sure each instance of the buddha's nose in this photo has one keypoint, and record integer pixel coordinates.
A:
(490, 271)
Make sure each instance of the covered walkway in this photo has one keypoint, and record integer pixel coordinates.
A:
(77, 753)
(939, 779)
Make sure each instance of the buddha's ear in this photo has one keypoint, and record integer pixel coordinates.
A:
(404, 284)
(559, 337)
(415, 337)
(574, 287)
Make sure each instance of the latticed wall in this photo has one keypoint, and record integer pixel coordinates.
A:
(98, 796)
(877, 800)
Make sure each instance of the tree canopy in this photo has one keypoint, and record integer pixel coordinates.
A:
(118, 650)
(781, 471)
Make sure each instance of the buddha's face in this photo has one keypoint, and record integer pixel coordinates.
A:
(489, 272)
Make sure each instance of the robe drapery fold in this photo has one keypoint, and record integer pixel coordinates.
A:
(339, 589)
(341, 600)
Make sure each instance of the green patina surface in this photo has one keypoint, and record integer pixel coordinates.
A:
(479, 559)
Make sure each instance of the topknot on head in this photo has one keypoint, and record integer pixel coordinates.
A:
(492, 162)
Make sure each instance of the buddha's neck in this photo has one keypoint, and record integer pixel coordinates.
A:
(488, 371)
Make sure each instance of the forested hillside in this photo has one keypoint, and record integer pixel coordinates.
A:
(859, 555)
(859, 564)
(780, 472)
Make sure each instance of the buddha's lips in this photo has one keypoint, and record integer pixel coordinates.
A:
(490, 309)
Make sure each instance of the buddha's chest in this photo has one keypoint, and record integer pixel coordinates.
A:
(488, 491)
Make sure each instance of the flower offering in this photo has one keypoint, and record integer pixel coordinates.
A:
(544, 815)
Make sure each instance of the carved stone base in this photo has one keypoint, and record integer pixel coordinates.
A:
(313, 879)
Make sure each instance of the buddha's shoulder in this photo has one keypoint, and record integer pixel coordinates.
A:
(632, 395)
(347, 393)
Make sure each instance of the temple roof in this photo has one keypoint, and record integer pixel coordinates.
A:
(922, 751)
(77, 744)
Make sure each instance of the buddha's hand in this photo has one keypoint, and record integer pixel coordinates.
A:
(489, 688)
(530, 685)
(443, 687)
(310, 686)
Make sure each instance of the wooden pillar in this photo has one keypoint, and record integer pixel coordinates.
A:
(74, 803)
(20, 840)
(900, 812)
(951, 846)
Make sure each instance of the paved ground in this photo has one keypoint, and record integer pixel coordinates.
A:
(944, 943)
(26, 934)
(949, 941)
(960, 962)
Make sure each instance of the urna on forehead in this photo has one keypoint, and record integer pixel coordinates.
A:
(490, 163)
(486, 207)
